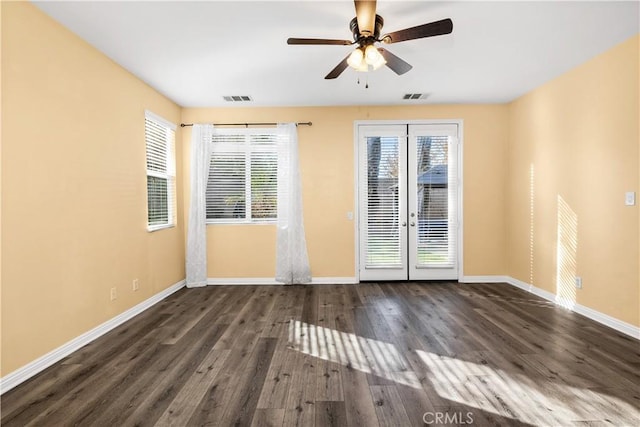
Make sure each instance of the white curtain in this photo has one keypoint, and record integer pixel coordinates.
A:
(292, 261)
(197, 228)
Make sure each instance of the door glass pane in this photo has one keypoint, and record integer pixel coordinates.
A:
(383, 228)
(432, 237)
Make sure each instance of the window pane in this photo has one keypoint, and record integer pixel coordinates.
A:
(156, 137)
(160, 160)
(157, 200)
(264, 181)
(243, 176)
(226, 186)
(384, 247)
(433, 201)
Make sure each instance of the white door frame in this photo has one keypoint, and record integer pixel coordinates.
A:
(356, 213)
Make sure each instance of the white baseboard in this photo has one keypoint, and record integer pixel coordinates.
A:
(605, 319)
(612, 322)
(531, 289)
(242, 281)
(484, 279)
(334, 281)
(272, 281)
(29, 370)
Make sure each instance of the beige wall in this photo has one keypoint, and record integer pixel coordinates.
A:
(73, 188)
(327, 169)
(580, 135)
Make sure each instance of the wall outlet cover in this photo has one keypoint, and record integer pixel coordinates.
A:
(630, 198)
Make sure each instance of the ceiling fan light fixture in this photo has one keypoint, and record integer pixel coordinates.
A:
(373, 57)
(356, 59)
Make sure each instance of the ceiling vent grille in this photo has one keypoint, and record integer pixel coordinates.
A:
(237, 98)
(411, 96)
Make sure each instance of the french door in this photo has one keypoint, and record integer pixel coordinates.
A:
(408, 201)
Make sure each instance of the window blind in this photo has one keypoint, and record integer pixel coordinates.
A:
(436, 174)
(384, 248)
(160, 153)
(243, 175)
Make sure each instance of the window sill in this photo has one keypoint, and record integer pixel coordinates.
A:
(243, 223)
(153, 228)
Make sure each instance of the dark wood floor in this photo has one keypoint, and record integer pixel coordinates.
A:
(360, 355)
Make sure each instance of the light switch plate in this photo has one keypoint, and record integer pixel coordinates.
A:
(630, 198)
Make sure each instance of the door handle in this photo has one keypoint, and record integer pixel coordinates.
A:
(404, 223)
(413, 224)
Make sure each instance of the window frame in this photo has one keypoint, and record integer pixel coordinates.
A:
(247, 150)
(169, 175)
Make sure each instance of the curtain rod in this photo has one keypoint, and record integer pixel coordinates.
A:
(246, 124)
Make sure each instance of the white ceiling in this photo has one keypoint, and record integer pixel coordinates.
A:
(197, 52)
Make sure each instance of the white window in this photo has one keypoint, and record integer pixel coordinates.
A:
(243, 176)
(161, 172)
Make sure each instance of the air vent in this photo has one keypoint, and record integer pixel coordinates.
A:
(415, 96)
(237, 98)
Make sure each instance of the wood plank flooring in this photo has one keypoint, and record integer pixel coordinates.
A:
(389, 354)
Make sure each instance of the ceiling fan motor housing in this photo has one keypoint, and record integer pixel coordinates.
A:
(364, 40)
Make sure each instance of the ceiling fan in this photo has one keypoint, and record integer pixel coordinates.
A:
(366, 27)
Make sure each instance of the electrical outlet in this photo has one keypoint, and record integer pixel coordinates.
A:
(630, 198)
(578, 282)
(114, 294)
(136, 284)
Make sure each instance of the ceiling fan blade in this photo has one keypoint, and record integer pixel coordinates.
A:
(293, 40)
(436, 28)
(338, 70)
(396, 64)
(366, 15)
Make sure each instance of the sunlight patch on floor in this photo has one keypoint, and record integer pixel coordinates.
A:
(363, 354)
(489, 389)
(475, 384)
